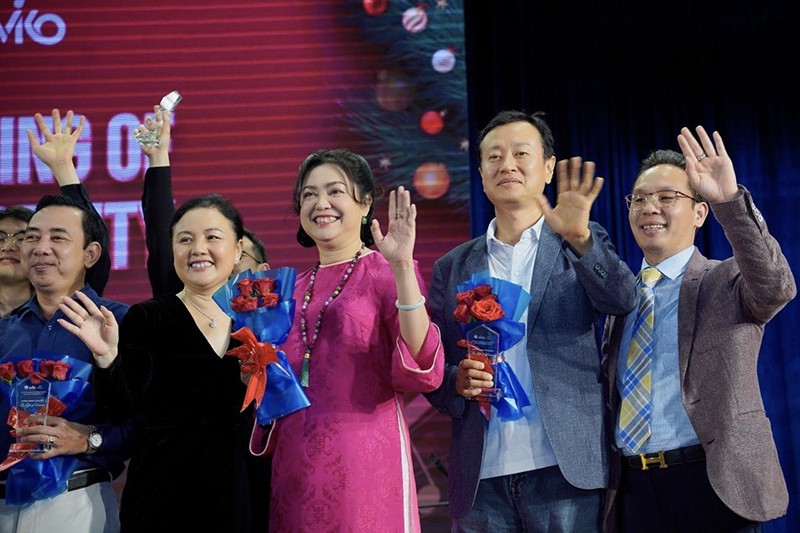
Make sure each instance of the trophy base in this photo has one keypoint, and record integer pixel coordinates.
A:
(489, 395)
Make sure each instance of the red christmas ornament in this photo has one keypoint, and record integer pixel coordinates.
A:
(431, 180)
(431, 122)
(376, 7)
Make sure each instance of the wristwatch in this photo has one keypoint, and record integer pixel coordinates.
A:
(94, 441)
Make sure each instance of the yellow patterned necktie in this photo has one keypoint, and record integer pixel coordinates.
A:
(634, 418)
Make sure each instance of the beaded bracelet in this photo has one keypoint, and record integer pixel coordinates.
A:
(410, 307)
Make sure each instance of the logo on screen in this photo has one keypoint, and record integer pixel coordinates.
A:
(45, 28)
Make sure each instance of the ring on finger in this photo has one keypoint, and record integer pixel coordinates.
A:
(50, 440)
(701, 157)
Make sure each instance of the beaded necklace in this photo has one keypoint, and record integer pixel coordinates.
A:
(307, 298)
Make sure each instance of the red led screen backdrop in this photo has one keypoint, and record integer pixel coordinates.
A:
(263, 84)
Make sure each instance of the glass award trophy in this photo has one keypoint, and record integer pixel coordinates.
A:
(31, 399)
(150, 137)
(483, 344)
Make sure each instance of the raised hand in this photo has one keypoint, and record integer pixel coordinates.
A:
(96, 327)
(576, 194)
(709, 168)
(58, 148)
(398, 244)
(158, 155)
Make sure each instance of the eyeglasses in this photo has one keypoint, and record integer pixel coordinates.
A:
(660, 199)
(13, 238)
(251, 256)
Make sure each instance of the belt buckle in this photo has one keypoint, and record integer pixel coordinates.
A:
(657, 460)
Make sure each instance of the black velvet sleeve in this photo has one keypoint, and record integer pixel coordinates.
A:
(97, 275)
(158, 207)
(122, 387)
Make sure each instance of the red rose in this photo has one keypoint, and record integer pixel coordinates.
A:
(242, 304)
(24, 368)
(482, 291)
(462, 314)
(250, 304)
(270, 299)
(46, 368)
(465, 297)
(487, 310)
(36, 378)
(264, 286)
(245, 286)
(7, 372)
(462, 343)
(60, 369)
(237, 303)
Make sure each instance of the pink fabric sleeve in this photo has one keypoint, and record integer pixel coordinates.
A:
(424, 374)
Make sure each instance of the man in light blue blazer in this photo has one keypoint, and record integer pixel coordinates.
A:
(547, 470)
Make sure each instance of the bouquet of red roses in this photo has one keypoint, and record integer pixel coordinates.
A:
(262, 308)
(68, 381)
(260, 301)
(491, 308)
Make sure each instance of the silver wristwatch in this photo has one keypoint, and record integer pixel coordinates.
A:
(94, 441)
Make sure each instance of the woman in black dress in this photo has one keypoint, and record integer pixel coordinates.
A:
(164, 367)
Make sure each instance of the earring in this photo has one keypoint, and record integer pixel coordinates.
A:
(363, 221)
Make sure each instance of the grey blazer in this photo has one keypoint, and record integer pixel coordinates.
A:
(569, 296)
(722, 309)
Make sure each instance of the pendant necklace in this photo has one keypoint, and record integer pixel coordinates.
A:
(309, 345)
(213, 319)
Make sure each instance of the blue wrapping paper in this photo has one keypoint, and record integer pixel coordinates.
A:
(268, 324)
(509, 405)
(514, 300)
(283, 394)
(31, 480)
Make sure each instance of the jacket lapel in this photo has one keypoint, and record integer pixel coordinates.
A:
(549, 249)
(477, 259)
(687, 307)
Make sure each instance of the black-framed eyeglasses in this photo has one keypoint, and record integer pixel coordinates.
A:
(14, 238)
(660, 199)
(251, 256)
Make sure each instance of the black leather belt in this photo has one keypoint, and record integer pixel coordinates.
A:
(646, 461)
(78, 480)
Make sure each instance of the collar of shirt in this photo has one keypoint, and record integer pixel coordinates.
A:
(32, 305)
(674, 266)
(530, 235)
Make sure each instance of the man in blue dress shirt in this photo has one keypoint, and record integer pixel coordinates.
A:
(61, 242)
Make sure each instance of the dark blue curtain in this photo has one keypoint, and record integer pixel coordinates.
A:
(617, 82)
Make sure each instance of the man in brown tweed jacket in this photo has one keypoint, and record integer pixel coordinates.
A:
(709, 462)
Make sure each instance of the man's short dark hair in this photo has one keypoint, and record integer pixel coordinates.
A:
(535, 119)
(17, 212)
(91, 224)
(667, 157)
(258, 246)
